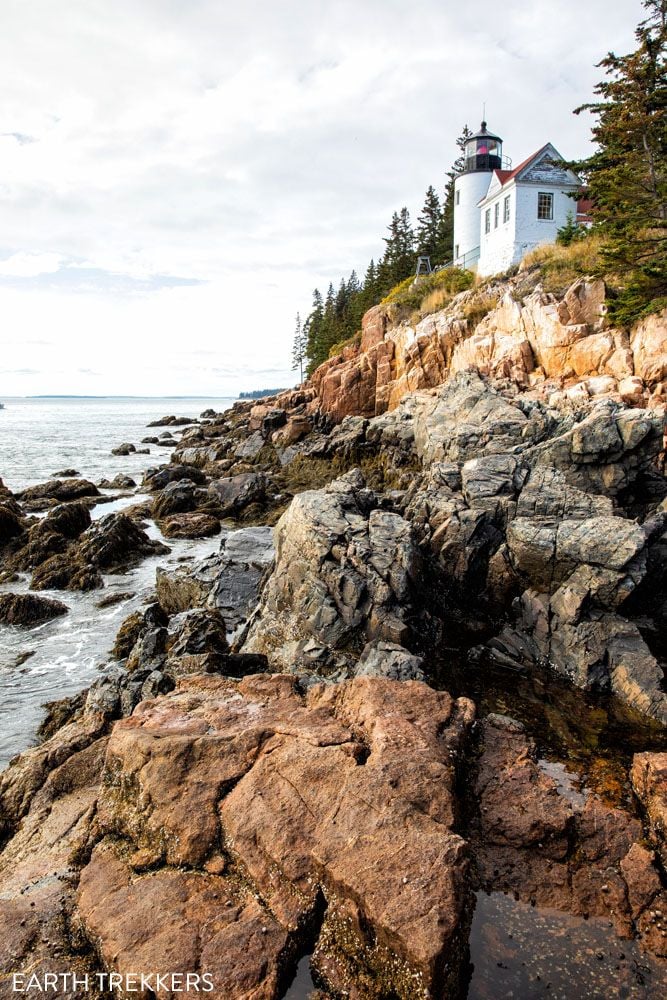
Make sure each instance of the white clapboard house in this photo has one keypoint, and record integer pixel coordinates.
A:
(500, 212)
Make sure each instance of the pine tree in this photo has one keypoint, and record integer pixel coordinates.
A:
(299, 347)
(314, 331)
(446, 232)
(398, 261)
(428, 225)
(626, 176)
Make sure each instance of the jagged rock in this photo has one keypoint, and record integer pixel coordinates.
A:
(112, 543)
(65, 572)
(385, 924)
(594, 649)
(196, 642)
(649, 348)
(180, 589)
(157, 479)
(28, 772)
(578, 855)
(236, 493)
(192, 525)
(294, 430)
(649, 780)
(115, 541)
(59, 491)
(342, 577)
(69, 520)
(251, 446)
(124, 449)
(236, 573)
(134, 626)
(28, 609)
(386, 659)
(228, 580)
(519, 805)
(204, 923)
(266, 418)
(178, 497)
(547, 551)
(36, 871)
(172, 421)
(119, 482)
(11, 525)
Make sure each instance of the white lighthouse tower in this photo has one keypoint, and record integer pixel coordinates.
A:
(483, 154)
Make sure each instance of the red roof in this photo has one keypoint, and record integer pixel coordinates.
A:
(507, 175)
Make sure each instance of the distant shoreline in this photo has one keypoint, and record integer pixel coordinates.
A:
(109, 396)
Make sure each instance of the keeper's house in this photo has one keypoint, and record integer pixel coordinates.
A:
(501, 213)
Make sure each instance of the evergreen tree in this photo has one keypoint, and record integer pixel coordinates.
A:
(428, 225)
(355, 306)
(626, 176)
(329, 323)
(313, 332)
(299, 347)
(446, 232)
(398, 261)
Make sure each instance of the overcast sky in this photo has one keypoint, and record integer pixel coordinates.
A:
(176, 176)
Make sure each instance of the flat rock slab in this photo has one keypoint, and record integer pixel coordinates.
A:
(329, 814)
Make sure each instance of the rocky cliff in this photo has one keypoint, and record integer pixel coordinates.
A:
(542, 343)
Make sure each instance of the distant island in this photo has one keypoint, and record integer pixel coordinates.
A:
(259, 393)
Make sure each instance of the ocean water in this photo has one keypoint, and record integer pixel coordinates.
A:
(39, 437)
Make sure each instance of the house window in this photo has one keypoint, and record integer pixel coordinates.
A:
(456, 251)
(496, 215)
(545, 205)
(506, 209)
(458, 197)
(487, 221)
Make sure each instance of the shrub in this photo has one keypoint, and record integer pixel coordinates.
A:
(428, 293)
(352, 341)
(561, 265)
(478, 306)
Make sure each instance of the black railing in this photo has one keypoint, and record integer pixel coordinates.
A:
(486, 162)
(464, 260)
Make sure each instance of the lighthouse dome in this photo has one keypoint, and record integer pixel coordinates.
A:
(483, 152)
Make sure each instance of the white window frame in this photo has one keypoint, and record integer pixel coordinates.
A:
(550, 196)
(496, 215)
(506, 209)
(458, 197)
(487, 222)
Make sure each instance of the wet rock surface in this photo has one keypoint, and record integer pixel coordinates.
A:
(330, 771)
(28, 609)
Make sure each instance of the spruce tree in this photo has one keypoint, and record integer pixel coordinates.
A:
(314, 333)
(428, 226)
(446, 232)
(626, 176)
(398, 261)
(299, 347)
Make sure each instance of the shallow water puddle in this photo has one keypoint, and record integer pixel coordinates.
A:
(523, 952)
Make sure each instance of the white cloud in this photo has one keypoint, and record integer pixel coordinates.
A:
(29, 265)
(255, 150)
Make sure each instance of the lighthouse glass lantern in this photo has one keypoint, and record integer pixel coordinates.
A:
(483, 151)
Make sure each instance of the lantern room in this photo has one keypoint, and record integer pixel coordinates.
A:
(483, 151)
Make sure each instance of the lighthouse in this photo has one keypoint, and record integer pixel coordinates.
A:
(483, 153)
